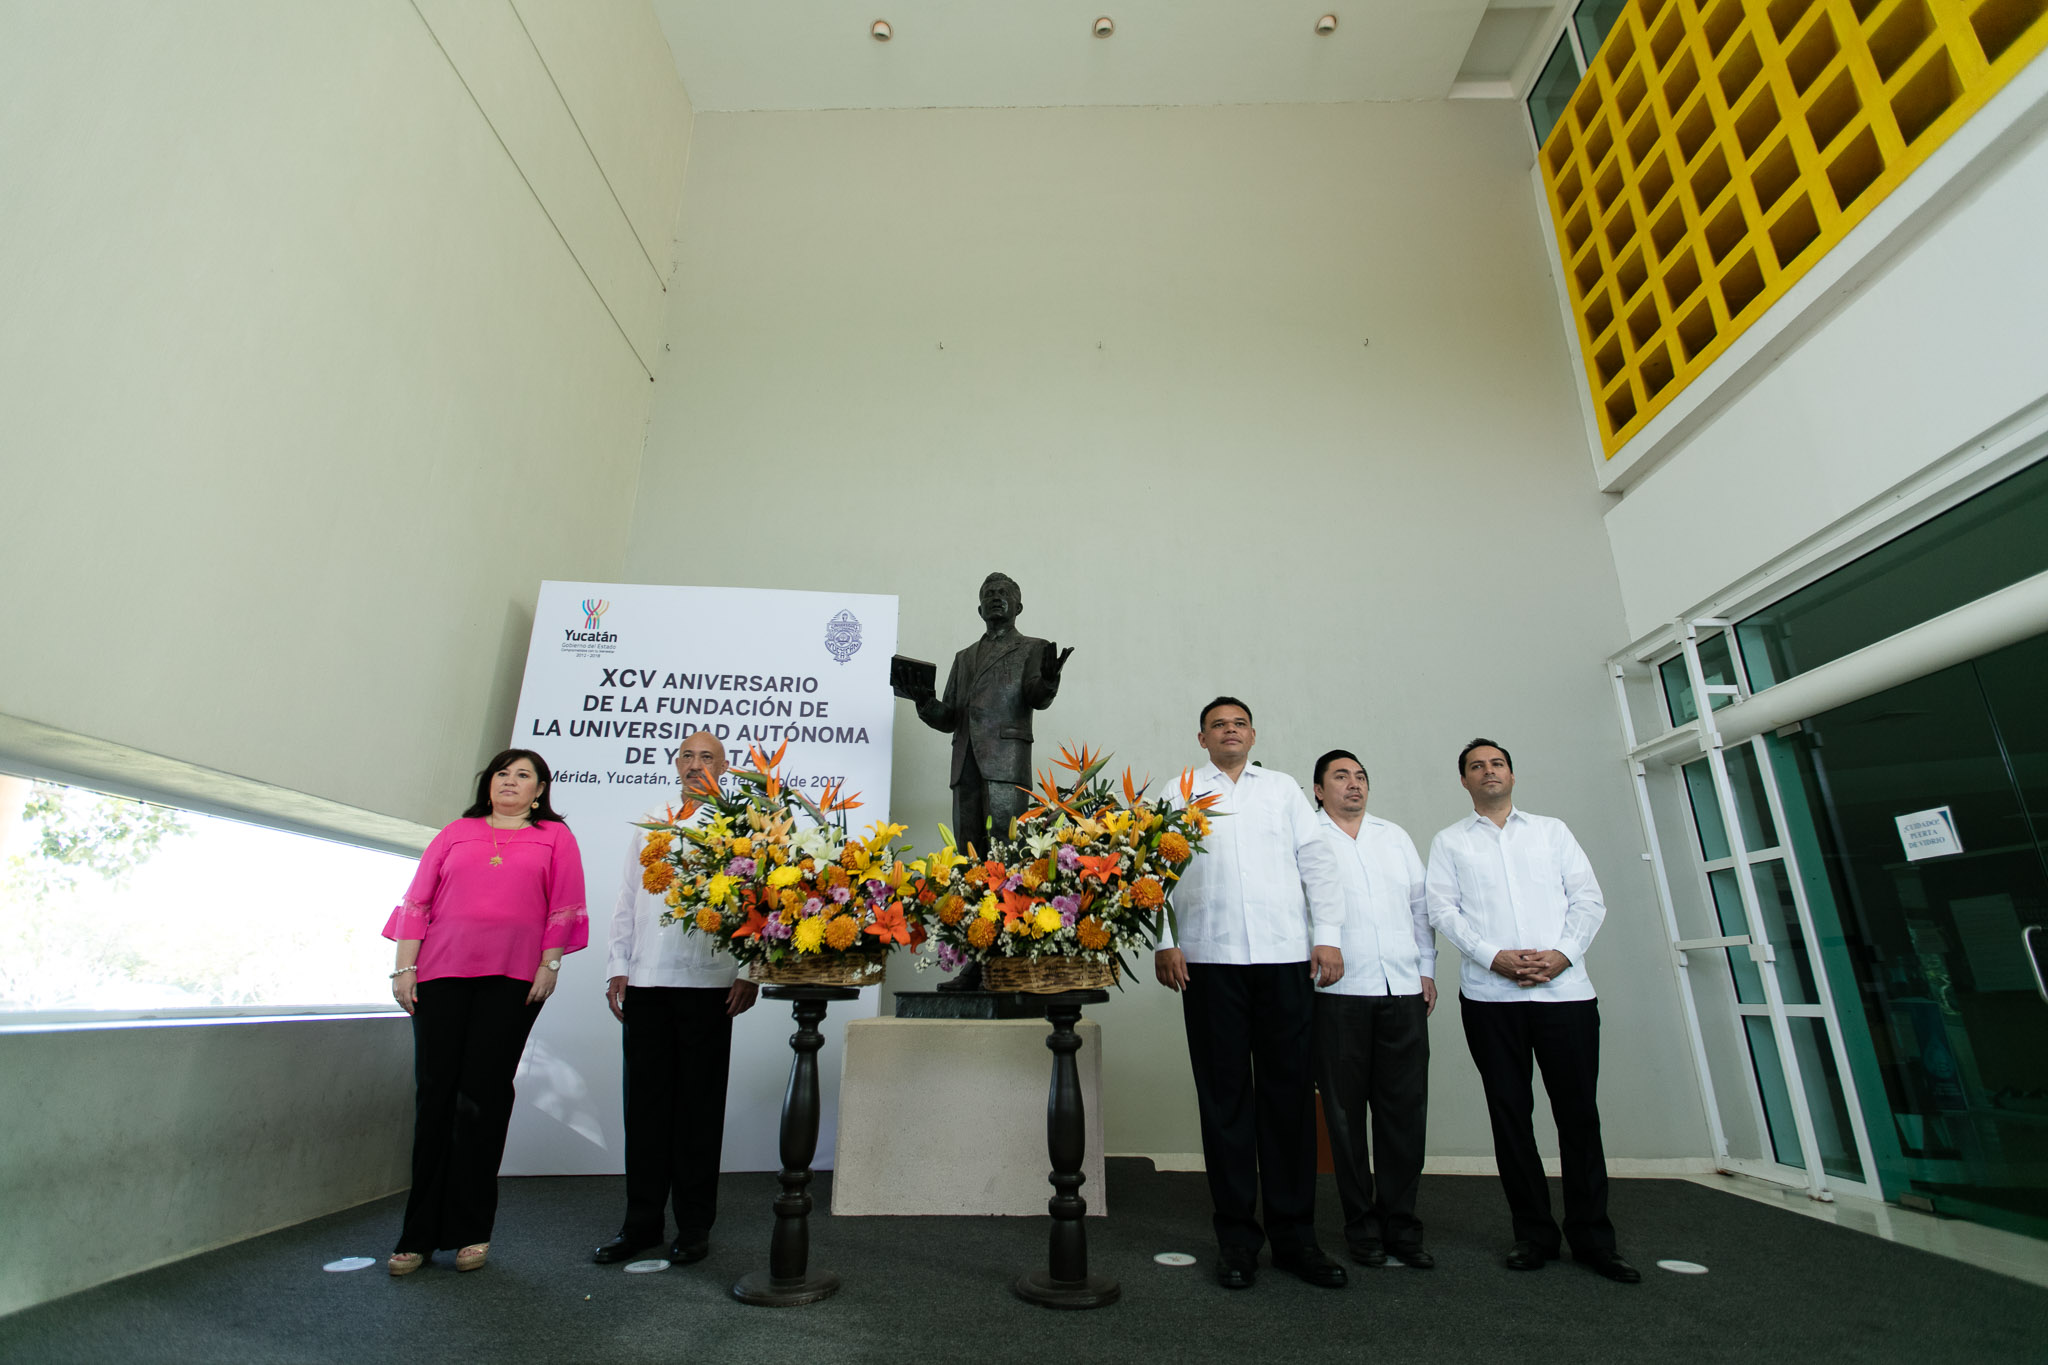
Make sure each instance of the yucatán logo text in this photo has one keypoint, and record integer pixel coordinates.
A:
(592, 638)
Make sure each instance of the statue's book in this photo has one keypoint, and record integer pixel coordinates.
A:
(912, 678)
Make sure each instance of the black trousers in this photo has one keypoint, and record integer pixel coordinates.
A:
(1248, 1039)
(1372, 1059)
(1562, 1037)
(678, 1046)
(467, 1034)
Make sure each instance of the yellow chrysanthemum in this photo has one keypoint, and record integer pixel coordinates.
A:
(1047, 920)
(709, 920)
(658, 877)
(841, 931)
(720, 890)
(743, 847)
(809, 934)
(785, 876)
(1034, 876)
(790, 898)
(988, 909)
(674, 898)
(981, 933)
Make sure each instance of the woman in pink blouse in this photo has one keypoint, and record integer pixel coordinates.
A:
(497, 900)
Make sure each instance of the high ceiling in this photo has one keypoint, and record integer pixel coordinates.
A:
(818, 54)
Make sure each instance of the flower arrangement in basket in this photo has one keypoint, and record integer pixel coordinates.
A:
(1081, 879)
(774, 876)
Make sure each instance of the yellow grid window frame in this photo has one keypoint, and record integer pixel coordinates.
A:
(1716, 149)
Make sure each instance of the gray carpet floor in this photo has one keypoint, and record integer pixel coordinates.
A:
(1779, 1287)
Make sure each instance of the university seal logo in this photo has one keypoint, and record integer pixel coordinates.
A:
(842, 636)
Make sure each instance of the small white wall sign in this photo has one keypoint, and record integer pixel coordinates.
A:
(1929, 834)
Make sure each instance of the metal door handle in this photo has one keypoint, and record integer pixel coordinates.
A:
(2033, 958)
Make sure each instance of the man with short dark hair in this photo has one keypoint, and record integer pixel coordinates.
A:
(1372, 1027)
(1516, 895)
(675, 995)
(1247, 962)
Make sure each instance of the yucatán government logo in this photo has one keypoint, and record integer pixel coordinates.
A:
(592, 638)
(842, 636)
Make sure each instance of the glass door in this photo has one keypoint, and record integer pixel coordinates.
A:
(1926, 805)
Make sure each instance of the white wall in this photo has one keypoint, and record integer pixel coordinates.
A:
(1941, 347)
(313, 365)
(1122, 354)
(327, 335)
(125, 1148)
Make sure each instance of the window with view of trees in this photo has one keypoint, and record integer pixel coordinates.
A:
(108, 903)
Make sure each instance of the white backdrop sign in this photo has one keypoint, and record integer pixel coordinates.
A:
(617, 674)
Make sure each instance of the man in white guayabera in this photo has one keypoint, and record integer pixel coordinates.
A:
(1247, 963)
(1516, 895)
(675, 995)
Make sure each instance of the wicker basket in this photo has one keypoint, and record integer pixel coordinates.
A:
(820, 969)
(1046, 975)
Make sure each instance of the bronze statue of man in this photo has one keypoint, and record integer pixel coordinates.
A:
(995, 685)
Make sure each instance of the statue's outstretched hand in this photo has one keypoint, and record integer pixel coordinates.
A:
(1057, 662)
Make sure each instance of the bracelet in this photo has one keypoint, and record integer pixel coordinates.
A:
(403, 970)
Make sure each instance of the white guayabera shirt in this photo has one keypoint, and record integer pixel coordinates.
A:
(1263, 874)
(1526, 884)
(1388, 944)
(648, 953)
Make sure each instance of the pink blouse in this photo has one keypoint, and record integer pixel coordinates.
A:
(477, 918)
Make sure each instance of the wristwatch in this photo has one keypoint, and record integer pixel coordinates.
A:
(554, 966)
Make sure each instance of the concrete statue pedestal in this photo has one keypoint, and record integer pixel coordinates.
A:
(948, 1116)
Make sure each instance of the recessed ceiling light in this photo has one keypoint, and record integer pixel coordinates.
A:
(1326, 25)
(881, 30)
(1104, 26)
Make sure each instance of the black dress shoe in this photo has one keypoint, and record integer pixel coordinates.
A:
(1313, 1266)
(1368, 1252)
(620, 1249)
(1528, 1256)
(689, 1253)
(1612, 1266)
(1236, 1267)
(1415, 1258)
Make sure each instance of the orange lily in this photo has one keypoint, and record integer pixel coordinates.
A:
(889, 925)
(756, 922)
(1102, 868)
(1017, 905)
(995, 871)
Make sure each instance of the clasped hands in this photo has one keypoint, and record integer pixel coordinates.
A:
(1530, 966)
